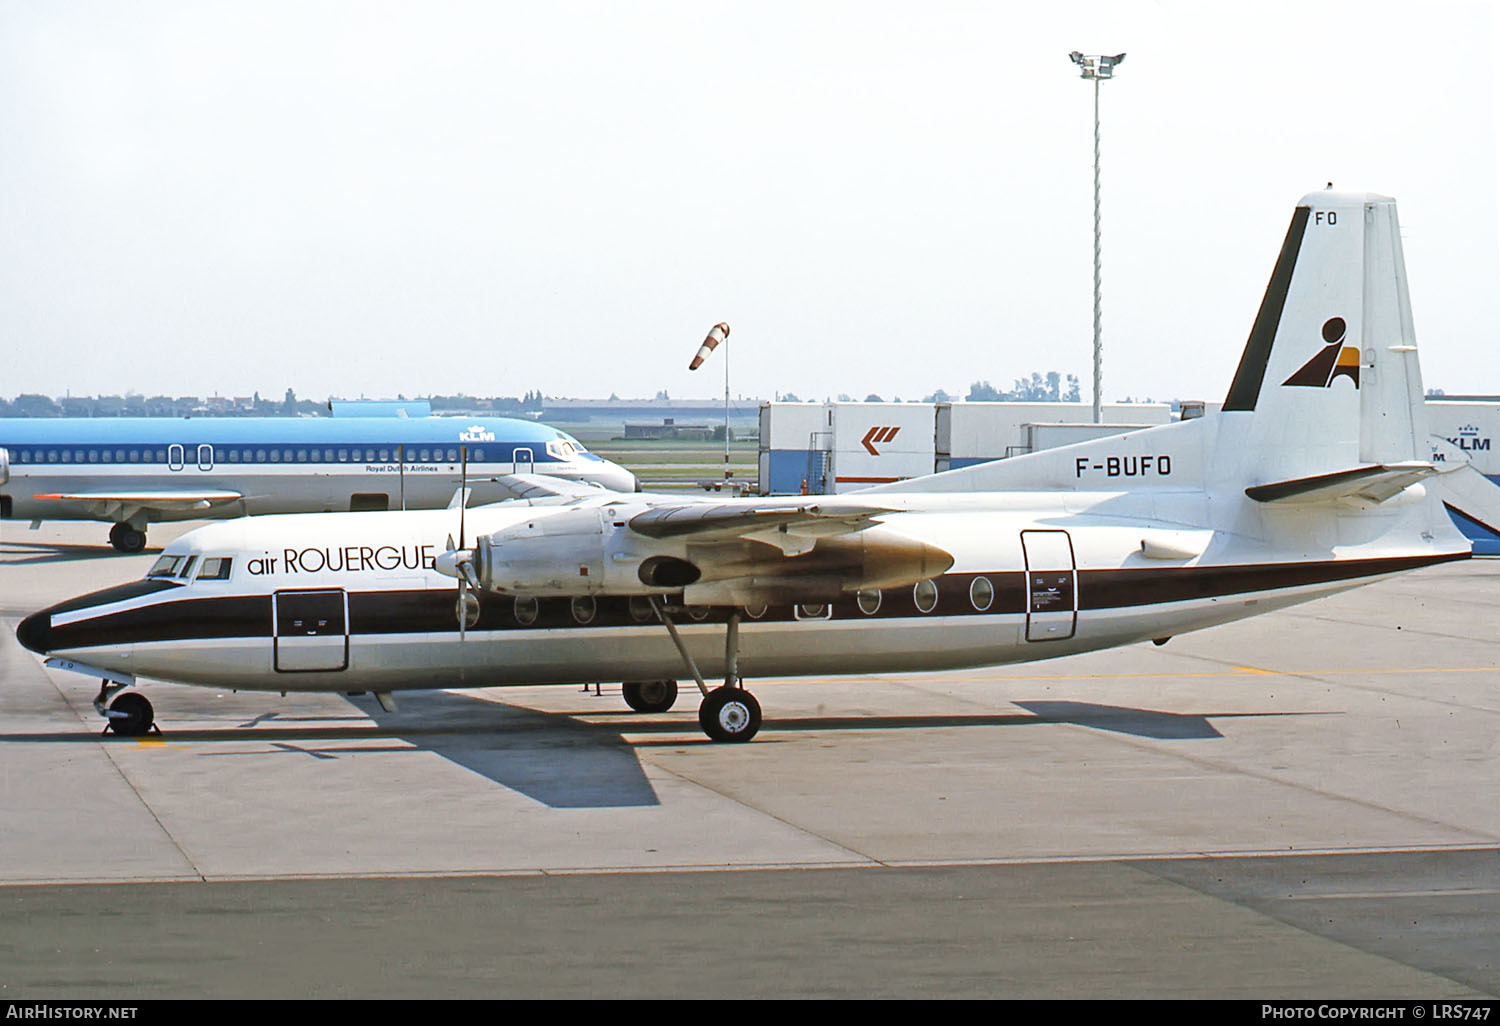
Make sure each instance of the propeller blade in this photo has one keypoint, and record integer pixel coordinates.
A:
(463, 490)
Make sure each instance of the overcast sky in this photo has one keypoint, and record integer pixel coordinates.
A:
(372, 198)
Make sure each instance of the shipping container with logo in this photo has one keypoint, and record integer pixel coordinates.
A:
(877, 443)
(1471, 424)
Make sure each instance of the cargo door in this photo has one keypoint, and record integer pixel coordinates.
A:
(312, 630)
(1051, 585)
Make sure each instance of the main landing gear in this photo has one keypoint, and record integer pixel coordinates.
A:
(129, 714)
(127, 538)
(650, 696)
(728, 713)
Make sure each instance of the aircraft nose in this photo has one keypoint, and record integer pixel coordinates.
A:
(35, 631)
(622, 480)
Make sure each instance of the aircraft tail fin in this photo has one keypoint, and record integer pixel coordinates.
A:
(1329, 380)
(1326, 403)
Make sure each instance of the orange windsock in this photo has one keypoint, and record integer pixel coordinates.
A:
(718, 333)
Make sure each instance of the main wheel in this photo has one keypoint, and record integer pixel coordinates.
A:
(729, 714)
(131, 715)
(127, 539)
(650, 696)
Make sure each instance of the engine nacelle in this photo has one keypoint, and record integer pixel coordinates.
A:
(561, 553)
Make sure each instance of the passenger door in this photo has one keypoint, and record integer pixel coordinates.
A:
(1051, 585)
(312, 630)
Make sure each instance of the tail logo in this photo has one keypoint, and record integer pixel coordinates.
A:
(1333, 360)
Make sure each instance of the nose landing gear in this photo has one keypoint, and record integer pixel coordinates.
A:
(129, 714)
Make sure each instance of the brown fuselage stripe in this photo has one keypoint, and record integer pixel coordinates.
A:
(432, 610)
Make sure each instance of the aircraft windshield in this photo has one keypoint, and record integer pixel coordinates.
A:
(165, 566)
(215, 568)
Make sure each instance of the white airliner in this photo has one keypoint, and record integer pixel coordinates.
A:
(1310, 482)
(135, 470)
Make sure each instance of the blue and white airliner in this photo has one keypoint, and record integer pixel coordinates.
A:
(131, 471)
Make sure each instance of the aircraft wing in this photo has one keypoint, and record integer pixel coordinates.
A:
(807, 552)
(792, 527)
(163, 499)
(719, 553)
(543, 486)
(1375, 482)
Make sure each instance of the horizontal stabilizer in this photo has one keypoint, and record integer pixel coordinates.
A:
(1376, 482)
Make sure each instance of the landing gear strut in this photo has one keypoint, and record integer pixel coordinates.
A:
(129, 714)
(127, 538)
(728, 713)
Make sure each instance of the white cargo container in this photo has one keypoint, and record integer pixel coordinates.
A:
(795, 441)
(1052, 436)
(876, 443)
(1471, 424)
(969, 433)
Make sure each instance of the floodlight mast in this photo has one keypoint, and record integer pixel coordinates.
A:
(1097, 68)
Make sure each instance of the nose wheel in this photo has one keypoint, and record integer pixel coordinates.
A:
(129, 714)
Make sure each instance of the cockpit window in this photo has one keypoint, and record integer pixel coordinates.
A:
(215, 568)
(165, 566)
(187, 568)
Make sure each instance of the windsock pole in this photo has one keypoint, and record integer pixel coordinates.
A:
(718, 333)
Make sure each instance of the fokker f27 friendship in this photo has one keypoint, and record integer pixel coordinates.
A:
(1310, 481)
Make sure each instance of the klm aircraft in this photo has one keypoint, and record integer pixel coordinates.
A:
(133, 471)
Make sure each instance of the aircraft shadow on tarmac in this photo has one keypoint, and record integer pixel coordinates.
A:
(1147, 723)
(551, 758)
(584, 761)
(18, 553)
